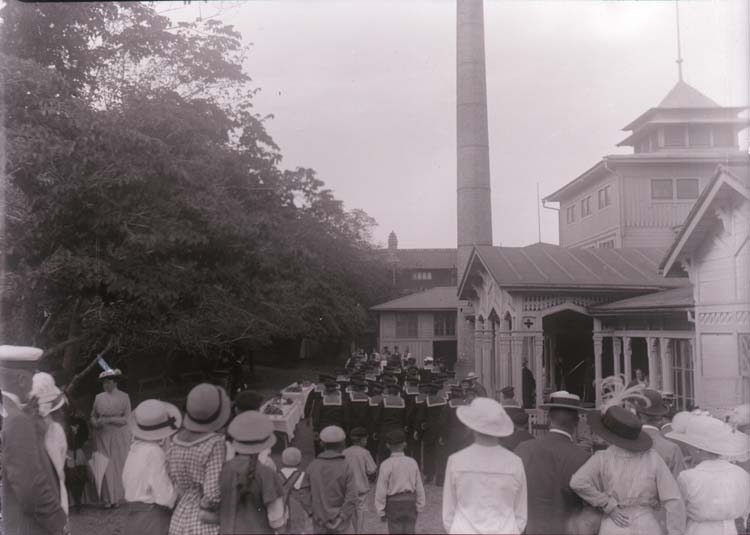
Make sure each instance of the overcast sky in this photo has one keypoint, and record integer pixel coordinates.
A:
(364, 93)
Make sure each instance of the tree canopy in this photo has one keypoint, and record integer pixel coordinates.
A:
(145, 201)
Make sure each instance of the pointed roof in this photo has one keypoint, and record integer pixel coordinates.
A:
(438, 298)
(700, 220)
(683, 95)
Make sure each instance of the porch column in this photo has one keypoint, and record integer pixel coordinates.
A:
(628, 352)
(516, 342)
(553, 362)
(653, 368)
(478, 347)
(502, 370)
(616, 352)
(598, 367)
(541, 380)
(487, 379)
(666, 365)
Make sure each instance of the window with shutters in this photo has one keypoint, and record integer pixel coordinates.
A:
(605, 198)
(570, 214)
(585, 207)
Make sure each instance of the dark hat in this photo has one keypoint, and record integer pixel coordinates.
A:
(389, 380)
(359, 383)
(394, 437)
(508, 391)
(424, 387)
(412, 381)
(657, 407)
(331, 385)
(518, 415)
(248, 400)
(393, 388)
(357, 433)
(563, 400)
(433, 388)
(620, 427)
(376, 386)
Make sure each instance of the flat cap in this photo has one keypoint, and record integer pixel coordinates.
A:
(357, 433)
(20, 357)
(396, 436)
(332, 435)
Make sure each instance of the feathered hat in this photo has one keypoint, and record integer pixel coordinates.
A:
(616, 421)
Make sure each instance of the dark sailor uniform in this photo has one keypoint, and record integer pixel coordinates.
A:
(330, 411)
(392, 417)
(373, 415)
(356, 410)
(434, 427)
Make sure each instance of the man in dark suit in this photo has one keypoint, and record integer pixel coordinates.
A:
(31, 489)
(549, 463)
(520, 428)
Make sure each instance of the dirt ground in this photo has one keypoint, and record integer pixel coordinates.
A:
(97, 521)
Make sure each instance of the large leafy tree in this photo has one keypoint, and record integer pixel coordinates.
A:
(144, 199)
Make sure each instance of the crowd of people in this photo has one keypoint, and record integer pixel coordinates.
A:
(382, 432)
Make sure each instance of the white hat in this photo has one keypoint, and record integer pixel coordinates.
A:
(471, 376)
(428, 359)
(486, 416)
(740, 415)
(110, 374)
(207, 408)
(332, 434)
(20, 356)
(251, 432)
(48, 395)
(710, 434)
(155, 420)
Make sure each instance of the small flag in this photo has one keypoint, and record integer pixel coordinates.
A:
(103, 364)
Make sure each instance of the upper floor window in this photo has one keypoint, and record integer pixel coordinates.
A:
(585, 206)
(680, 189)
(605, 198)
(661, 189)
(687, 188)
(406, 325)
(422, 276)
(699, 135)
(607, 244)
(674, 136)
(723, 136)
(570, 214)
(444, 324)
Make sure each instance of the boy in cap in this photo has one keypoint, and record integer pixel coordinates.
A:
(509, 397)
(364, 468)
(30, 493)
(399, 494)
(332, 485)
(392, 416)
(433, 433)
(296, 487)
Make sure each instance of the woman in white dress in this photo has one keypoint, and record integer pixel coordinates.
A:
(50, 399)
(110, 417)
(716, 492)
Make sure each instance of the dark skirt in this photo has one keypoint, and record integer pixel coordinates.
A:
(147, 519)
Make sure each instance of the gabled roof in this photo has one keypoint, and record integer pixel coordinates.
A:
(438, 298)
(675, 299)
(683, 95)
(723, 185)
(424, 258)
(546, 266)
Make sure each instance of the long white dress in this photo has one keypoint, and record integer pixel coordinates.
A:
(716, 493)
(113, 441)
(56, 445)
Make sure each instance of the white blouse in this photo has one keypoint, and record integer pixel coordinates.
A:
(716, 492)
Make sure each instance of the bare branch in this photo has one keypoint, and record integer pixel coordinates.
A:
(80, 375)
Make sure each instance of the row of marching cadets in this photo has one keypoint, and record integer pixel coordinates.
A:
(420, 402)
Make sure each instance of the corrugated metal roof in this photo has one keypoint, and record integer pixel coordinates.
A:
(677, 298)
(438, 298)
(424, 258)
(544, 265)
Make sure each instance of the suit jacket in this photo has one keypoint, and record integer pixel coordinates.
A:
(31, 489)
(511, 442)
(669, 451)
(549, 463)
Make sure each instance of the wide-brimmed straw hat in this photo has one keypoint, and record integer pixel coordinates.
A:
(207, 408)
(563, 399)
(251, 432)
(657, 406)
(471, 376)
(49, 397)
(486, 416)
(620, 427)
(155, 420)
(710, 434)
